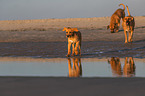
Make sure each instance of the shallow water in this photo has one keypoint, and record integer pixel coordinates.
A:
(72, 67)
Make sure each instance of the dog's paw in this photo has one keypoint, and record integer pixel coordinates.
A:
(130, 40)
(126, 42)
(72, 55)
(112, 32)
(77, 53)
(67, 55)
(116, 31)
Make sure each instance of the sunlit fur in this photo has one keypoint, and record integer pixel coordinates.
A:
(75, 69)
(74, 40)
(128, 25)
(115, 19)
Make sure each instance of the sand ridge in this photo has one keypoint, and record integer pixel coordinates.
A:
(45, 24)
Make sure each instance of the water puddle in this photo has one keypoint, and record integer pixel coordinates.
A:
(72, 67)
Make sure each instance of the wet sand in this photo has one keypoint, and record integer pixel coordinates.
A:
(95, 43)
(90, 49)
(35, 86)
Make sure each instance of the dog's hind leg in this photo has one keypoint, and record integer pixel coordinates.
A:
(129, 36)
(69, 49)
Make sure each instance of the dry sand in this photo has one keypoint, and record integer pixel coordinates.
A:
(46, 24)
(46, 30)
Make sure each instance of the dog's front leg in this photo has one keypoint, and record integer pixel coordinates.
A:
(125, 33)
(80, 48)
(69, 49)
(73, 49)
(131, 35)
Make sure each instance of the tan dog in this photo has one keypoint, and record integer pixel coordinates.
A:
(75, 69)
(74, 39)
(128, 26)
(115, 19)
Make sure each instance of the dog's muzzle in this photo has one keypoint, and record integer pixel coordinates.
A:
(112, 31)
(68, 36)
(127, 23)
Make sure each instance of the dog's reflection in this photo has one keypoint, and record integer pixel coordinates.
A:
(115, 66)
(128, 67)
(75, 69)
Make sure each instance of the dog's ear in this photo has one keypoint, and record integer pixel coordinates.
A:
(107, 27)
(132, 18)
(64, 29)
(75, 29)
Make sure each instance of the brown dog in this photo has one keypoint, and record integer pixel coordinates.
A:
(115, 19)
(128, 26)
(74, 39)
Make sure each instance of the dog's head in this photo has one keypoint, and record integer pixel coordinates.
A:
(70, 31)
(112, 27)
(128, 20)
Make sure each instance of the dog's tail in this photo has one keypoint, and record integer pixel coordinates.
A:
(128, 11)
(122, 5)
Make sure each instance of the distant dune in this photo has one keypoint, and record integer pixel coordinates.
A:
(45, 24)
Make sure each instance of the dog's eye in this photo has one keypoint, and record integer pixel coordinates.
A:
(69, 32)
(66, 32)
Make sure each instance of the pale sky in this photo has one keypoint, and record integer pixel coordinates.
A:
(44, 9)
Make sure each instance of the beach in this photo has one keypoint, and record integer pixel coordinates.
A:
(45, 39)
